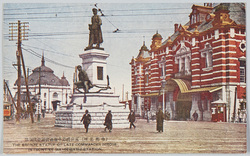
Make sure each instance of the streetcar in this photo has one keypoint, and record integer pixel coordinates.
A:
(8, 111)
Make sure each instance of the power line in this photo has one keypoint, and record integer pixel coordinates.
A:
(49, 60)
(48, 50)
(31, 8)
(47, 45)
(112, 15)
(8, 59)
(73, 11)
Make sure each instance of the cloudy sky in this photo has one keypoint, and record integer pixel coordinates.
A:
(60, 30)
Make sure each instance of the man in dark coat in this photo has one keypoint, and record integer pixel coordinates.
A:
(160, 119)
(195, 116)
(108, 121)
(131, 118)
(86, 118)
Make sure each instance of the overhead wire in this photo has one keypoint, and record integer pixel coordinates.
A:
(77, 5)
(49, 60)
(25, 45)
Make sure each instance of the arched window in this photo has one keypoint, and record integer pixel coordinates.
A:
(55, 95)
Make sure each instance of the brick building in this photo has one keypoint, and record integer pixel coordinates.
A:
(200, 67)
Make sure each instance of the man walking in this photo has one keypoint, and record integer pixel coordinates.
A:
(195, 116)
(108, 121)
(131, 118)
(86, 118)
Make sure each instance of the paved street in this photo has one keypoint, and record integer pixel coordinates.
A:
(178, 137)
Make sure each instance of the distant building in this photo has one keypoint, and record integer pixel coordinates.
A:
(54, 91)
(201, 67)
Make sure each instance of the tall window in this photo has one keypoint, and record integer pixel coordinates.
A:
(182, 58)
(146, 76)
(242, 75)
(135, 99)
(136, 79)
(182, 64)
(207, 53)
(242, 70)
(99, 73)
(146, 79)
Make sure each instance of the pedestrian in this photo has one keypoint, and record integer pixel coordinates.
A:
(86, 119)
(195, 116)
(108, 121)
(131, 118)
(159, 119)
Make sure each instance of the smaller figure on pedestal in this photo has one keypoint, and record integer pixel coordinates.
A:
(95, 32)
(84, 81)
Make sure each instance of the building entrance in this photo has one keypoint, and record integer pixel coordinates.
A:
(183, 109)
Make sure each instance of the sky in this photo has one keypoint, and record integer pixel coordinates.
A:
(60, 31)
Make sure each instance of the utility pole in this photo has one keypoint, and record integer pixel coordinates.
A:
(39, 96)
(235, 97)
(122, 92)
(21, 28)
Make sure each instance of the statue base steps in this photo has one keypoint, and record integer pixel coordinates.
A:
(98, 105)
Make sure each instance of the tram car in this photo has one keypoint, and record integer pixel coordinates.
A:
(8, 111)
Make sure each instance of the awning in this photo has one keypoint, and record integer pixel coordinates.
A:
(183, 85)
(171, 84)
(219, 102)
(205, 89)
(150, 94)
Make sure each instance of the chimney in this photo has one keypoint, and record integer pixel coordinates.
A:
(175, 28)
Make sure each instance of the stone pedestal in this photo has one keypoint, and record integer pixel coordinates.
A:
(98, 105)
(94, 62)
(97, 102)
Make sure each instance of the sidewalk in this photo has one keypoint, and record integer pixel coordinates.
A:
(178, 137)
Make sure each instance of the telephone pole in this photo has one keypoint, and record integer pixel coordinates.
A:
(39, 97)
(18, 31)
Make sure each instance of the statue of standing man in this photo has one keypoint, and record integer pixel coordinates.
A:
(95, 32)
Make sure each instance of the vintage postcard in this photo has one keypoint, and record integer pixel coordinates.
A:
(107, 77)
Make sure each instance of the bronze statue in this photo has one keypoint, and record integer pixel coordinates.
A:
(84, 81)
(95, 32)
(85, 84)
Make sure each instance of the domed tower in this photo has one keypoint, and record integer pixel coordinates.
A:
(156, 41)
(143, 52)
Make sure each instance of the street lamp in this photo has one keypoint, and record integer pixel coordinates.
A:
(163, 94)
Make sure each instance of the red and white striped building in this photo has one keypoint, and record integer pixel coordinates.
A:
(201, 67)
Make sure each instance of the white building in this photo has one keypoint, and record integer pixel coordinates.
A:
(53, 89)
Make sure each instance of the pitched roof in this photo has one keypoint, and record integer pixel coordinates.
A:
(237, 13)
